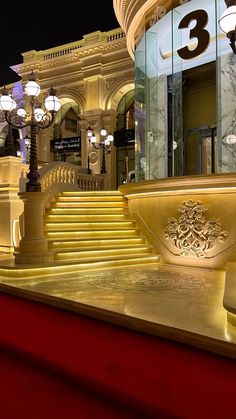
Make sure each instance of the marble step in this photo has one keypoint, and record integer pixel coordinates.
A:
(64, 267)
(89, 204)
(89, 198)
(102, 234)
(106, 254)
(113, 193)
(65, 217)
(95, 243)
(86, 210)
(85, 225)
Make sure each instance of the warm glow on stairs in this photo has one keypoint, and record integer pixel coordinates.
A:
(95, 230)
(88, 231)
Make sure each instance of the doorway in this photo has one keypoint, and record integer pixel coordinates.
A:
(204, 143)
(199, 120)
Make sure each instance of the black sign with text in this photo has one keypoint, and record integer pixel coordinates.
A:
(124, 137)
(66, 144)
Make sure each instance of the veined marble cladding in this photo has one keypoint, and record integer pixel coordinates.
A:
(228, 111)
(177, 123)
(158, 123)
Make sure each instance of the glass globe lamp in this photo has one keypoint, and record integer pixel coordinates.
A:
(32, 88)
(52, 103)
(231, 139)
(227, 21)
(7, 103)
(103, 132)
(21, 112)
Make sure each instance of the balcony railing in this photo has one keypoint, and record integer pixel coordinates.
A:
(95, 38)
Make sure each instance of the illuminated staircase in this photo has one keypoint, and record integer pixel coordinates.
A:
(95, 230)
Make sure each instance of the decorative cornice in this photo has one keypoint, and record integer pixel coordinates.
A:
(69, 59)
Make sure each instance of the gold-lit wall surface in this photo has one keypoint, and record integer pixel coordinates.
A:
(189, 220)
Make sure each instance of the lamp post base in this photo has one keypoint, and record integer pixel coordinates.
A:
(33, 247)
(28, 255)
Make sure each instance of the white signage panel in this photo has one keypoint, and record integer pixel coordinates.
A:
(194, 38)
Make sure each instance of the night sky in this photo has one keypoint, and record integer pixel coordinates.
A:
(50, 25)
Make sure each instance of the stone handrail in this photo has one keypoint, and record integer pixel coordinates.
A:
(57, 177)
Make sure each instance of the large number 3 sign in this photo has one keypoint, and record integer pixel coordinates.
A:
(198, 32)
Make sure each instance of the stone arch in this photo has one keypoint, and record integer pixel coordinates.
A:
(73, 95)
(66, 104)
(117, 93)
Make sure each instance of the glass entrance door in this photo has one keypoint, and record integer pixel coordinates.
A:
(207, 151)
(203, 159)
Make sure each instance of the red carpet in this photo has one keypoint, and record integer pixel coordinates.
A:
(57, 364)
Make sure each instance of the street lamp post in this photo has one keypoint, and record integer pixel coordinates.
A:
(89, 135)
(104, 145)
(27, 147)
(36, 118)
(89, 171)
(9, 143)
(227, 23)
(33, 246)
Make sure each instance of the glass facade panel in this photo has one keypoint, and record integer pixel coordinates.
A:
(226, 99)
(140, 112)
(185, 94)
(175, 101)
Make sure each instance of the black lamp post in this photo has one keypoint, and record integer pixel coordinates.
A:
(227, 23)
(104, 145)
(27, 146)
(89, 135)
(35, 118)
(9, 143)
(89, 171)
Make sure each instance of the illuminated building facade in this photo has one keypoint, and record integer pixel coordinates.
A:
(94, 79)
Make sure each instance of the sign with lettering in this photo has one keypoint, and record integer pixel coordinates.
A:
(200, 17)
(66, 144)
(124, 137)
(183, 38)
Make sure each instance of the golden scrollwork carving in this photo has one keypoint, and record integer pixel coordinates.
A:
(191, 233)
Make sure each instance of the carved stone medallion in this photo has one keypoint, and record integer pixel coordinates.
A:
(191, 233)
(93, 157)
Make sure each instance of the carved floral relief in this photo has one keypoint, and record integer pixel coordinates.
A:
(192, 234)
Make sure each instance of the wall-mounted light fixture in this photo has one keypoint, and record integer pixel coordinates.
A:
(175, 145)
(227, 23)
(231, 139)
